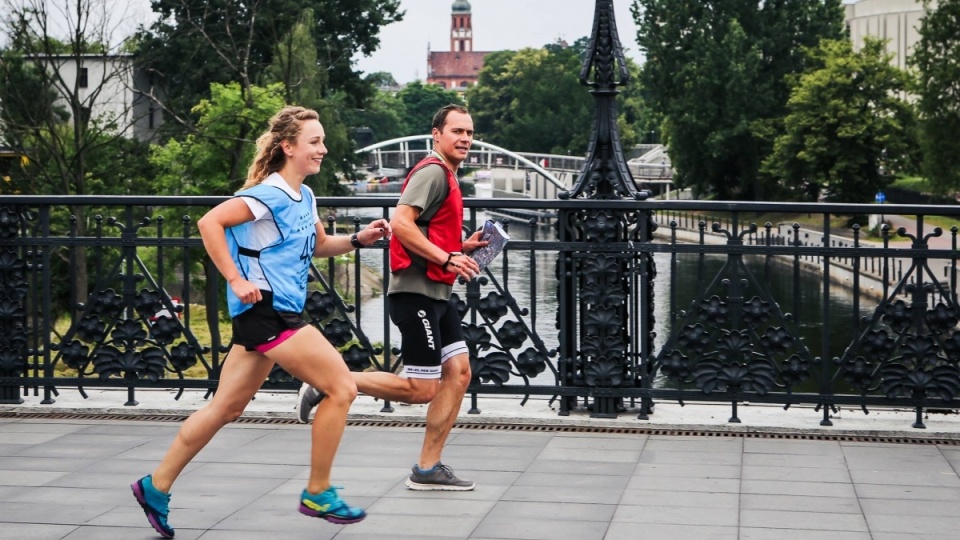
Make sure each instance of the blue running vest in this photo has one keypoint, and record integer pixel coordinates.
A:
(285, 263)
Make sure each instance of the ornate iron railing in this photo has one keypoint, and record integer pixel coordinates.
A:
(738, 313)
(598, 308)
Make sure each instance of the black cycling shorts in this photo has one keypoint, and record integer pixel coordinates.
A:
(430, 333)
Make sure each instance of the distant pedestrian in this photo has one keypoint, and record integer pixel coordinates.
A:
(262, 241)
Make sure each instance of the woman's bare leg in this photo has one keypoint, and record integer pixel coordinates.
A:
(242, 375)
(308, 356)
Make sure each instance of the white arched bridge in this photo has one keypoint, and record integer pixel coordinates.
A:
(512, 174)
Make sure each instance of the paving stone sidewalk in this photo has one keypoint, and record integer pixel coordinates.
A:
(69, 479)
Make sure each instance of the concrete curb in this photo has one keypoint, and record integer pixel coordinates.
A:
(512, 423)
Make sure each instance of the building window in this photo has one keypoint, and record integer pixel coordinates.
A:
(442, 84)
(82, 78)
(465, 84)
(462, 46)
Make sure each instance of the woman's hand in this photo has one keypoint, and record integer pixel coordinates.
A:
(375, 231)
(247, 292)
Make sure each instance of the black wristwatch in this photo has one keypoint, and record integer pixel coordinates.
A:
(355, 242)
(450, 257)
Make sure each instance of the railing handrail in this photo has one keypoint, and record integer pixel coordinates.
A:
(474, 202)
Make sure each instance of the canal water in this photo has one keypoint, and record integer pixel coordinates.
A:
(541, 299)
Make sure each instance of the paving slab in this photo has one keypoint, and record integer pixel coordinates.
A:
(539, 477)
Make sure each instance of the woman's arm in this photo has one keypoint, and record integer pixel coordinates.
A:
(212, 227)
(331, 246)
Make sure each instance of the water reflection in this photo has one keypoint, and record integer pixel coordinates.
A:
(803, 302)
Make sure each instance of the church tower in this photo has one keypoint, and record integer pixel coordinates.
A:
(461, 28)
(457, 68)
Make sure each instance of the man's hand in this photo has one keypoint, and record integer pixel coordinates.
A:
(474, 242)
(463, 266)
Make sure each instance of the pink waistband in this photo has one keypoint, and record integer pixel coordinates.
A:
(285, 335)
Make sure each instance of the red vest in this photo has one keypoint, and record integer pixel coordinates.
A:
(444, 229)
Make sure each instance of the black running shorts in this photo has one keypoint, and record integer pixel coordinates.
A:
(262, 324)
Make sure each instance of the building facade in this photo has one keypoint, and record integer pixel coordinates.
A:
(110, 89)
(897, 21)
(457, 69)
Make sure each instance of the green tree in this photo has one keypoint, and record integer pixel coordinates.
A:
(848, 131)
(29, 102)
(719, 73)
(74, 138)
(200, 164)
(421, 102)
(295, 63)
(295, 66)
(936, 58)
(386, 116)
(195, 43)
(531, 100)
(381, 79)
(489, 95)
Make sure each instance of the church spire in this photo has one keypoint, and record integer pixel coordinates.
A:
(461, 27)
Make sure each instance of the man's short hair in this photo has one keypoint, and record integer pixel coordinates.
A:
(440, 118)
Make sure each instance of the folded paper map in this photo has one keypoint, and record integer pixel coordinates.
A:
(497, 237)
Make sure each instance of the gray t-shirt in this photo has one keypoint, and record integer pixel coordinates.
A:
(426, 190)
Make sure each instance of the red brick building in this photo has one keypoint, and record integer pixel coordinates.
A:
(458, 68)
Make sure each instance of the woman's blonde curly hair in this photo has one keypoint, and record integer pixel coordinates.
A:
(284, 126)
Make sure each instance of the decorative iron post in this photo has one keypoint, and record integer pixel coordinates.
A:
(13, 312)
(599, 291)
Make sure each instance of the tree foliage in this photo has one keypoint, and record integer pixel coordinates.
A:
(535, 103)
(719, 73)
(295, 64)
(848, 130)
(59, 124)
(421, 102)
(936, 58)
(531, 100)
(195, 43)
(385, 116)
(74, 137)
(199, 164)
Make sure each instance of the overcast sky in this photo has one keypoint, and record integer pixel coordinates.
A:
(497, 25)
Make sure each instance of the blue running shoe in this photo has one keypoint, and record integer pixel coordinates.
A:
(329, 506)
(155, 504)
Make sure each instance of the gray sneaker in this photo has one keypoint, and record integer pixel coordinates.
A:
(439, 478)
(307, 398)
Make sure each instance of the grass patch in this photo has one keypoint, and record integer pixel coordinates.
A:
(912, 183)
(944, 222)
